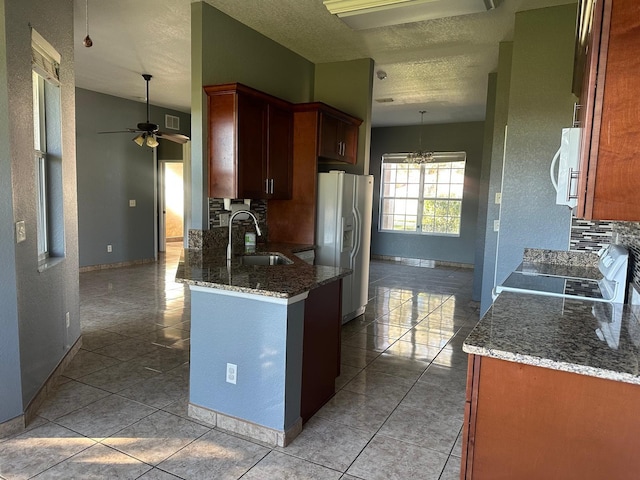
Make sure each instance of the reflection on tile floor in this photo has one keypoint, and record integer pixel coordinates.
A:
(120, 411)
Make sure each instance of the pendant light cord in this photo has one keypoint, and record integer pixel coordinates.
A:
(422, 112)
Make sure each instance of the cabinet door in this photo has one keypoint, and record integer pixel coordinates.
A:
(523, 418)
(222, 141)
(280, 147)
(329, 143)
(251, 146)
(349, 138)
(610, 183)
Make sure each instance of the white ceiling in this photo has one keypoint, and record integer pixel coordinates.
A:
(440, 66)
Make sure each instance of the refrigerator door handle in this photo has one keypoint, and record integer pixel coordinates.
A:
(357, 222)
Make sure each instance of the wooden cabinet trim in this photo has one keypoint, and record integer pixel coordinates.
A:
(228, 88)
(323, 107)
(593, 93)
(470, 416)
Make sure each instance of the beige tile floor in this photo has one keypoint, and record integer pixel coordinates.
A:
(119, 411)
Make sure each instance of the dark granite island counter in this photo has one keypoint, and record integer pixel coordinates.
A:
(553, 389)
(250, 325)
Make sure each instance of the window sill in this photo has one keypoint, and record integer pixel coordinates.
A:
(48, 263)
(421, 234)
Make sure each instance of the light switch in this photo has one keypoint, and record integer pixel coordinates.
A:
(21, 231)
(132, 203)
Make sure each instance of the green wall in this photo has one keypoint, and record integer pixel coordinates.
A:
(483, 195)
(348, 86)
(540, 105)
(493, 177)
(447, 137)
(224, 50)
(34, 298)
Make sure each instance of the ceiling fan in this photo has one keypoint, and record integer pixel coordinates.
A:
(148, 132)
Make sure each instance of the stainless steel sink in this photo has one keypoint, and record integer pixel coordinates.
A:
(268, 259)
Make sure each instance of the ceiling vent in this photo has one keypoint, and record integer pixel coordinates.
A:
(384, 100)
(171, 122)
(363, 14)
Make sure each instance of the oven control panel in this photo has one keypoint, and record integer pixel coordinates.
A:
(613, 263)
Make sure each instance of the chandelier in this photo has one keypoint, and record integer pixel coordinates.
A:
(420, 156)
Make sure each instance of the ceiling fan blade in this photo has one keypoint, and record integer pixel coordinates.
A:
(174, 137)
(128, 130)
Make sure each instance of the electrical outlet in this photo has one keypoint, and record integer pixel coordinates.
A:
(109, 249)
(224, 219)
(498, 200)
(67, 320)
(232, 373)
(496, 225)
(132, 203)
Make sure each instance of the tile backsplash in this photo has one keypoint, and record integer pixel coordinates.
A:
(217, 236)
(590, 235)
(216, 207)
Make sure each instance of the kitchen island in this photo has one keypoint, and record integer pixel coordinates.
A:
(553, 389)
(250, 325)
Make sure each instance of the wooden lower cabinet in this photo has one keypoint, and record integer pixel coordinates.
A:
(321, 347)
(524, 422)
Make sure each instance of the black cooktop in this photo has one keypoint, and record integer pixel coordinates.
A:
(556, 286)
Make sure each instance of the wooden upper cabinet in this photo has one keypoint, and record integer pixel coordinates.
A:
(610, 111)
(250, 143)
(337, 133)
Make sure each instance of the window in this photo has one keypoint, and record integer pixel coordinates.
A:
(47, 145)
(422, 199)
(40, 147)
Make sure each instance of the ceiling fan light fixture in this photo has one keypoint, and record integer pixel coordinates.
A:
(139, 139)
(151, 141)
(147, 132)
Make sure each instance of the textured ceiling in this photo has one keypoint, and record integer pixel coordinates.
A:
(440, 66)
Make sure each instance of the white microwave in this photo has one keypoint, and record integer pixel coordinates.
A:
(565, 180)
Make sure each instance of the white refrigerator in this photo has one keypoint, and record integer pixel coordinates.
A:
(343, 233)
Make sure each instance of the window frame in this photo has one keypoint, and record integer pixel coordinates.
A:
(48, 152)
(439, 157)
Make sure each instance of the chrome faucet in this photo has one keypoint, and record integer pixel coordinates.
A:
(233, 215)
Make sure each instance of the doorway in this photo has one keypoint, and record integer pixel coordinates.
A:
(171, 183)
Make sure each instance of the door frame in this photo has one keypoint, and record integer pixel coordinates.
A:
(160, 239)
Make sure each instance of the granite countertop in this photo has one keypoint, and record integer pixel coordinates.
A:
(559, 270)
(560, 263)
(579, 336)
(208, 268)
